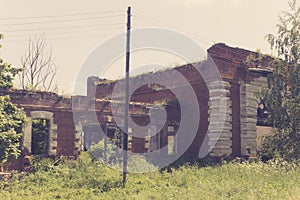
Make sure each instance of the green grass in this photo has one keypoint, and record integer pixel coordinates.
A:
(89, 180)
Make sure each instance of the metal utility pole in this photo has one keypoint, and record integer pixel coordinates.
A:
(126, 106)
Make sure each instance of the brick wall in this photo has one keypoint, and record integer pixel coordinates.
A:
(150, 90)
(234, 70)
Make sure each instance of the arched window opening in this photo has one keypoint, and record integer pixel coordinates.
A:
(40, 136)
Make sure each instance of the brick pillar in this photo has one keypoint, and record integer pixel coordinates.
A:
(27, 135)
(220, 120)
(92, 83)
(164, 140)
(53, 139)
(248, 117)
(78, 139)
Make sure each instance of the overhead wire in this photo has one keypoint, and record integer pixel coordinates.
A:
(193, 35)
(90, 36)
(164, 25)
(96, 29)
(65, 15)
(14, 32)
(57, 21)
(137, 15)
(67, 37)
(62, 27)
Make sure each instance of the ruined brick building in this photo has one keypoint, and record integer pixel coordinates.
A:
(74, 122)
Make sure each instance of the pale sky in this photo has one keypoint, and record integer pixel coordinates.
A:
(73, 29)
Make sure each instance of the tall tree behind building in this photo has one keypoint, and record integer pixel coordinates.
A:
(39, 70)
(282, 96)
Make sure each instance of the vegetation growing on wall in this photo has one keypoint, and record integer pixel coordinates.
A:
(282, 96)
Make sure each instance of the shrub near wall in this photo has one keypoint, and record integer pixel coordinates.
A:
(84, 179)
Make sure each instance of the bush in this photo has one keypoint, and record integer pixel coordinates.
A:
(88, 179)
(41, 164)
(111, 156)
(139, 164)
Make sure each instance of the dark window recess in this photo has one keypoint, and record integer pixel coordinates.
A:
(114, 133)
(262, 114)
(40, 137)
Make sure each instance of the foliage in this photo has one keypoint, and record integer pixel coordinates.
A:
(139, 164)
(112, 156)
(109, 155)
(108, 151)
(282, 97)
(7, 73)
(11, 120)
(37, 163)
(85, 179)
(11, 117)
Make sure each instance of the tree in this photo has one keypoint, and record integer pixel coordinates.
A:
(11, 121)
(282, 96)
(11, 117)
(39, 70)
(7, 73)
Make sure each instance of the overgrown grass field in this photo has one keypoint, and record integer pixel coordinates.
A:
(84, 179)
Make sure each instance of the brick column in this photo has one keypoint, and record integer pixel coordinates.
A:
(53, 140)
(248, 117)
(78, 139)
(27, 135)
(220, 120)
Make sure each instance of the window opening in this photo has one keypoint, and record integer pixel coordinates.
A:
(40, 136)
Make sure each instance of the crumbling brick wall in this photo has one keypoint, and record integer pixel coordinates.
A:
(235, 73)
(237, 139)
